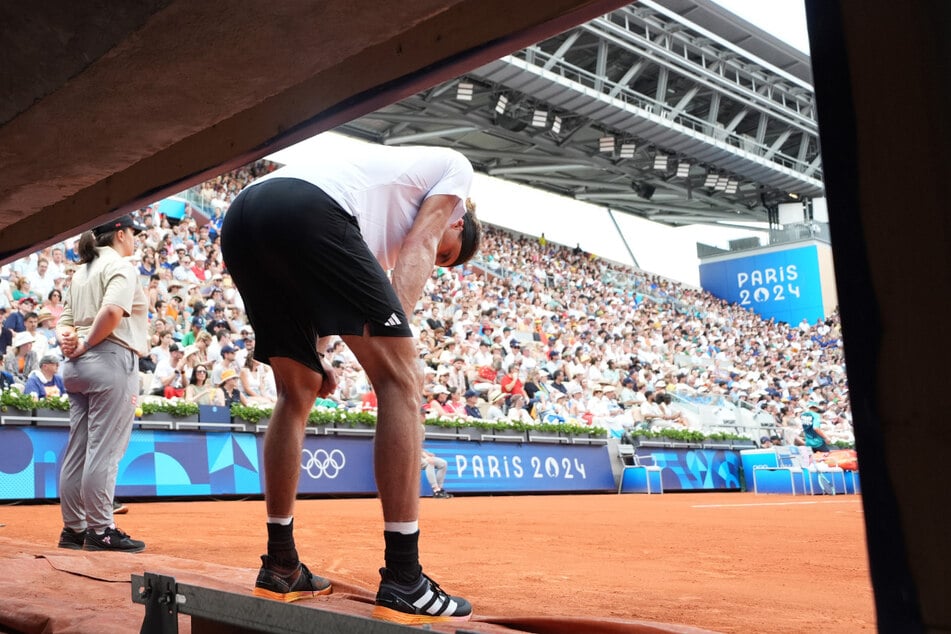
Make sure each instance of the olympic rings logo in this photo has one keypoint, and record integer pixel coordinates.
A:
(322, 463)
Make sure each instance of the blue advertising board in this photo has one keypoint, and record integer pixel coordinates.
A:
(486, 467)
(782, 284)
(164, 463)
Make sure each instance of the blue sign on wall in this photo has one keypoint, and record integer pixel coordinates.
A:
(785, 285)
(477, 467)
(164, 463)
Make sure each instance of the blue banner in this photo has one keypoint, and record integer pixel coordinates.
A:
(335, 464)
(486, 467)
(784, 285)
(163, 463)
(695, 469)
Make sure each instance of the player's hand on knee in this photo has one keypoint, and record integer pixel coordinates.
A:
(329, 383)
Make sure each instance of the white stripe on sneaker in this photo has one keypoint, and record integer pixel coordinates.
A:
(450, 607)
(423, 601)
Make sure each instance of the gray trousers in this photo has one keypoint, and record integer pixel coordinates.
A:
(103, 387)
(435, 473)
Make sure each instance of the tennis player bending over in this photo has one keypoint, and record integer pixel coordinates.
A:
(326, 233)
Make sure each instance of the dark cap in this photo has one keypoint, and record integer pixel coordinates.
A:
(227, 349)
(470, 393)
(122, 222)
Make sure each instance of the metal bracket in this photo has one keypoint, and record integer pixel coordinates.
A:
(160, 595)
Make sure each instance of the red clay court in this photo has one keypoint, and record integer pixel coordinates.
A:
(727, 562)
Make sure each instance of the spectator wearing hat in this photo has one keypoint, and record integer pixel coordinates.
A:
(20, 360)
(227, 361)
(438, 406)
(169, 379)
(472, 404)
(496, 400)
(191, 360)
(458, 378)
(455, 405)
(228, 386)
(44, 334)
(45, 380)
(517, 411)
(218, 322)
(195, 326)
(16, 321)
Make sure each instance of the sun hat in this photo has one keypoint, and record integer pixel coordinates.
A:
(22, 338)
(227, 374)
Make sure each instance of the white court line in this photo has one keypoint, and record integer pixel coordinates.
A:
(718, 506)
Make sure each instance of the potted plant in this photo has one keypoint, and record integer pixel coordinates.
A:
(718, 440)
(362, 423)
(320, 420)
(683, 437)
(587, 432)
(53, 411)
(175, 410)
(445, 425)
(250, 416)
(546, 432)
(16, 408)
(647, 438)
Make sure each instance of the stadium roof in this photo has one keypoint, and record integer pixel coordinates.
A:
(707, 118)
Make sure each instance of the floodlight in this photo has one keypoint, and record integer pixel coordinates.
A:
(606, 144)
(683, 169)
(464, 91)
(712, 179)
(627, 150)
(540, 118)
(501, 104)
(660, 162)
(556, 125)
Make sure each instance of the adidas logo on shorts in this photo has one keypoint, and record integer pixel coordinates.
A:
(394, 320)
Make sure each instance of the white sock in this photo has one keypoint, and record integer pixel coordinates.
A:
(405, 528)
(283, 521)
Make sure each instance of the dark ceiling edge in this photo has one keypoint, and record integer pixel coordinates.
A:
(71, 215)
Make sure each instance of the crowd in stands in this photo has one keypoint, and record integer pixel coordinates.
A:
(530, 331)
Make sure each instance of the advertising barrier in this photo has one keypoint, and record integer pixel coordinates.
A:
(165, 463)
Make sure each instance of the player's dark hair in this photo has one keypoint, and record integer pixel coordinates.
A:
(471, 236)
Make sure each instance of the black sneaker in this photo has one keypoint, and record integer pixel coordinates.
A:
(114, 540)
(417, 604)
(71, 539)
(300, 584)
(118, 508)
(442, 494)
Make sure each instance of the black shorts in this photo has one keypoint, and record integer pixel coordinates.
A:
(304, 271)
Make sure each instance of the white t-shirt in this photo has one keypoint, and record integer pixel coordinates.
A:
(383, 188)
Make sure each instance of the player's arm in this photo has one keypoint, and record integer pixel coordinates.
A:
(418, 253)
